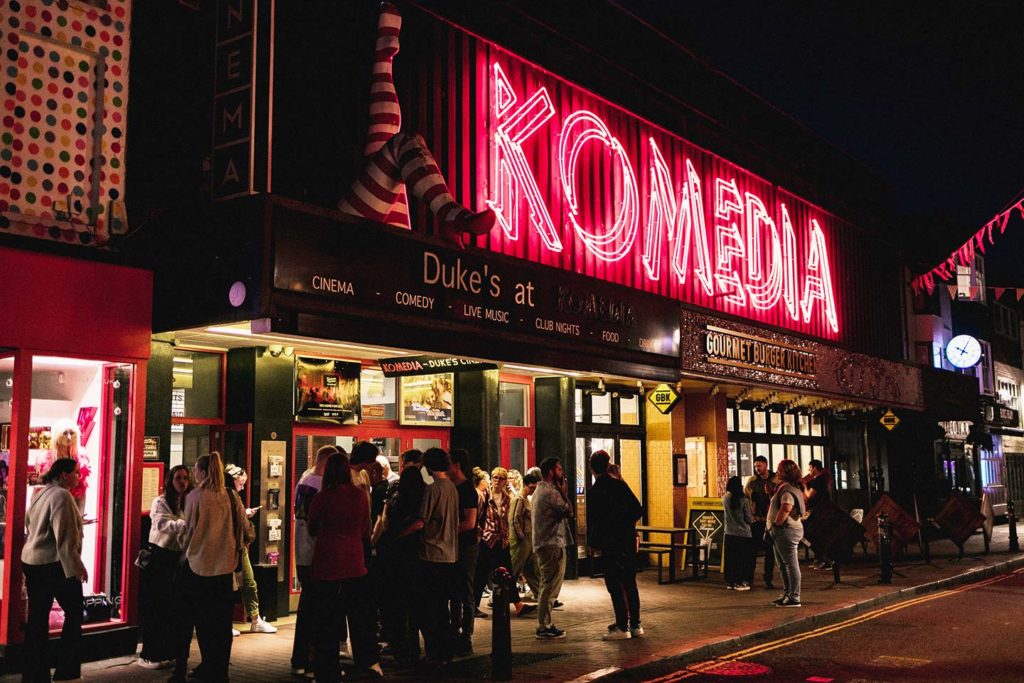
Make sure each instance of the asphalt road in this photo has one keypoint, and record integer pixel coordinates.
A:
(967, 633)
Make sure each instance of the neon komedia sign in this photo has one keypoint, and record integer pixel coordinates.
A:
(581, 184)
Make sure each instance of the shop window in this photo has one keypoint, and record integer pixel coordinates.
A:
(746, 454)
(579, 405)
(793, 452)
(730, 419)
(778, 453)
(197, 391)
(745, 465)
(805, 458)
(513, 402)
(804, 422)
(80, 409)
(377, 395)
(760, 422)
(732, 457)
(629, 410)
(789, 424)
(744, 416)
(776, 422)
(601, 408)
(816, 426)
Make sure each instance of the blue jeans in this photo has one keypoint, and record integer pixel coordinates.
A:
(786, 542)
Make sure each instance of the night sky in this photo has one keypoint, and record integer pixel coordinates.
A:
(928, 94)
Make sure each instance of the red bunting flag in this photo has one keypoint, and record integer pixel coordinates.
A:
(952, 291)
(999, 292)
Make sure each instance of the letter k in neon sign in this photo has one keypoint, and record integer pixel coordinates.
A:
(514, 177)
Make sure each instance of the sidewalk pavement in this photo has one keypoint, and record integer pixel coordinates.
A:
(686, 620)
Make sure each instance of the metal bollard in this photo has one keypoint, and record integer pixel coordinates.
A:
(1011, 521)
(501, 626)
(884, 548)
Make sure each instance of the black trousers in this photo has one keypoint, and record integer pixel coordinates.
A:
(435, 587)
(333, 601)
(207, 605)
(157, 609)
(620, 580)
(463, 595)
(739, 559)
(44, 582)
(302, 645)
(757, 535)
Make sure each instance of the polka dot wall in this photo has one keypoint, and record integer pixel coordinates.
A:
(63, 109)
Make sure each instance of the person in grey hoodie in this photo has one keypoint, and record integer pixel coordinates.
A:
(739, 550)
(52, 562)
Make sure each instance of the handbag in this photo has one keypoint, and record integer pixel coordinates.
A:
(145, 557)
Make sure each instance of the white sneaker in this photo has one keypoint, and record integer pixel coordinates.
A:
(261, 626)
(235, 633)
(742, 587)
(617, 634)
(636, 631)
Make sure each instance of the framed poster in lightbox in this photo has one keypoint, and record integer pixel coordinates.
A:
(327, 391)
(427, 400)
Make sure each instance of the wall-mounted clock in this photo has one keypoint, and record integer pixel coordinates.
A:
(963, 351)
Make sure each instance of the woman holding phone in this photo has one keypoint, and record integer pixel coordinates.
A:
(235, 479)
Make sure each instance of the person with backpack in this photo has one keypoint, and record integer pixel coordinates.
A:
(787, 530)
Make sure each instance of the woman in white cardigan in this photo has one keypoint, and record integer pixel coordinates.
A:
(52, 562)
(158, 602)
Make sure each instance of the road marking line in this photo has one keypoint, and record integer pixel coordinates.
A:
(701, 667)
(594, 675)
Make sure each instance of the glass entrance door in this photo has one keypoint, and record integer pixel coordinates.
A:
(234, 443)
(627, 454)
(515, 412)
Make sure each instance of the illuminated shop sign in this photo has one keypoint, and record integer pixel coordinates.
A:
(428, 365)
(580, 184)
(478, 290)
(726, 347)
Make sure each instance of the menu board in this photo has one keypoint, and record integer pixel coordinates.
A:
(707, 516)
(152, 483)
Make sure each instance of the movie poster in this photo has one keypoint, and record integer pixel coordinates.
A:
(327, 391)
(427, 400)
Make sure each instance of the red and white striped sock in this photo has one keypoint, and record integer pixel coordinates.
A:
(385, 112)
(406, 158)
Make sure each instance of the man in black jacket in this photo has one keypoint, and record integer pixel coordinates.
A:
(612, 512)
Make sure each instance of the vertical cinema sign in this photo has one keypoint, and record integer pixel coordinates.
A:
(587, 186)
(233, 100)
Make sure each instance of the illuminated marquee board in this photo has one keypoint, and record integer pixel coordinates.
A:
(583, 185)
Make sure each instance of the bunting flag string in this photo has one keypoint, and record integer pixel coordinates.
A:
(964, 254)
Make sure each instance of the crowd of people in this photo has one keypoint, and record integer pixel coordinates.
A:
(385, 558)
(767, 514)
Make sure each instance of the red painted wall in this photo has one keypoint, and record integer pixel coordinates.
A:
(60, 304)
